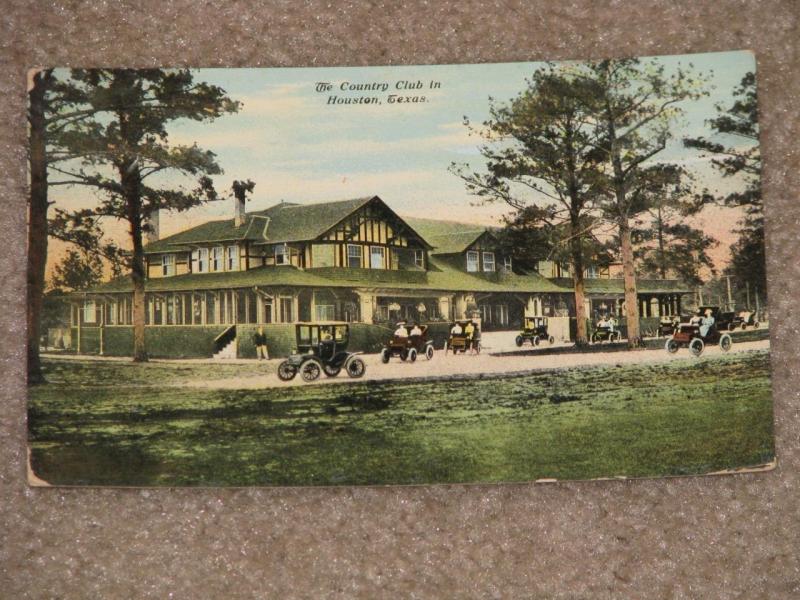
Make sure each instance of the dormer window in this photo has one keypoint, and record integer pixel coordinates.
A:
(167, 265)
(282, 256)
(232, 258)
(200, 259)
(216, 258)
(472, 261)
(419, 259)
(488, 262)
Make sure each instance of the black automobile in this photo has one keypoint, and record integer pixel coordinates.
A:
(534, 331)
(688, 335)
(321, 348)
(408, 346)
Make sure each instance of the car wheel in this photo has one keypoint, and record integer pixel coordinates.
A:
(286, 371)
(725, 342)
(756, 325)
(551, 339)
(519, 341)
(696, 346)
(731, 327)
(403, 354)
(310, 370)
(477, 347)
(385, 355)
(429, 352)
(331, 371)
(671, 346)
(355, 368)
(412, 355)
(536, 340)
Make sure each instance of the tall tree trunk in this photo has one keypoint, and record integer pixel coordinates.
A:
(576, 250)
(629, 279)
(137, 268)
(662, 262)
(37, 222)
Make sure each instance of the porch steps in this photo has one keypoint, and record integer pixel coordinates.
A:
(227, 352)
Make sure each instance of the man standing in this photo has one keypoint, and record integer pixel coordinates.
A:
(260, 341)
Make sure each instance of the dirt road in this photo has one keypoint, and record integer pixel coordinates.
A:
(448, 365)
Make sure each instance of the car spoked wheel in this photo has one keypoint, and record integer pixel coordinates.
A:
(671, 346)
(551, 340)
(696, 346)
(477, 348)
(331, 371)
(429, 352)
(355, 368)
(310, 371)
(519, 341)
(536, 341)
(412, 355)
(286, 371)
(385, 355)
(725, 342)
(403, 354)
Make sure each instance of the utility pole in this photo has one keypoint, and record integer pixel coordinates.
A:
(730, 298)
(699, 297)
(757, 306)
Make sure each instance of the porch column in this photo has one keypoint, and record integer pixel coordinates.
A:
(445, 305)
(460, 306)
(366, 306)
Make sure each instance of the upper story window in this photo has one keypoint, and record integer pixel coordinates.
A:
(282, 256)
(377, 257)
(216, 258)
(232, 258)
(472, 261)
(488, 261)
(354, 256)
(507, 264)
(167, 265)
(591, 272)
(200, 258)
(419, 259)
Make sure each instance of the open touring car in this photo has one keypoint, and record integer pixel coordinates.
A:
(408, 346)
(465, 336)
(534, 331)
(690, 335)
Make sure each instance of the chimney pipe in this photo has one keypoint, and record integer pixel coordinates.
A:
(151, 235)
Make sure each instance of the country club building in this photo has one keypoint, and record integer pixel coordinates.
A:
(209, 287)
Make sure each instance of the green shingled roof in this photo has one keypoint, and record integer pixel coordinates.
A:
(447, 237)
(282, 222)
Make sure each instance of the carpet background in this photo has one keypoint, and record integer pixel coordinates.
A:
(733, 536)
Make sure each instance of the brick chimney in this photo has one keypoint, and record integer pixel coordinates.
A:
(238, 210)
(151, 235)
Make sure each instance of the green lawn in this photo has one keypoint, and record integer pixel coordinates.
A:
(118, 424)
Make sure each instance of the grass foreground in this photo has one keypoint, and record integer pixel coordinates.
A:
(124, 424)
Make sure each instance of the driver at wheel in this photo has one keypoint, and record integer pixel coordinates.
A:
(415, 330)
(706, 322)
(456, 329)
(401, 330)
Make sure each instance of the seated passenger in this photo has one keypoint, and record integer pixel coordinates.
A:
(401, 330)
(612, 323)
(706, 323)
(696, 318)
(456, 329)
(602, 323)
(415, 330)
(469, 330)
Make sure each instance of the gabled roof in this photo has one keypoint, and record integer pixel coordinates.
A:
(448, 237)
(283, 222)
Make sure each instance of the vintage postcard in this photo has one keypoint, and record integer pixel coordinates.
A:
(397, 275)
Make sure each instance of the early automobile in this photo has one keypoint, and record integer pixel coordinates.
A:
(321, 348)
(668, 325)
(465, 336)
(605, 331)
(415, 342)
(534, 331)
(746, 319)
(689, 335)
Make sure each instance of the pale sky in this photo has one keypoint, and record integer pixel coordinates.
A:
(299, 148)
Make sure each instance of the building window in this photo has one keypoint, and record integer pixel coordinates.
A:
(282, 256)
(168, 265)
(354, 256)
(287, 309)
(89, 315)
(419, 259)
(216, 258)
(326, 312)
(472, 261)
(232, 258)
(591, 272)
(507, 264)
(200, 257)
(377, 257)
(488, 261)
